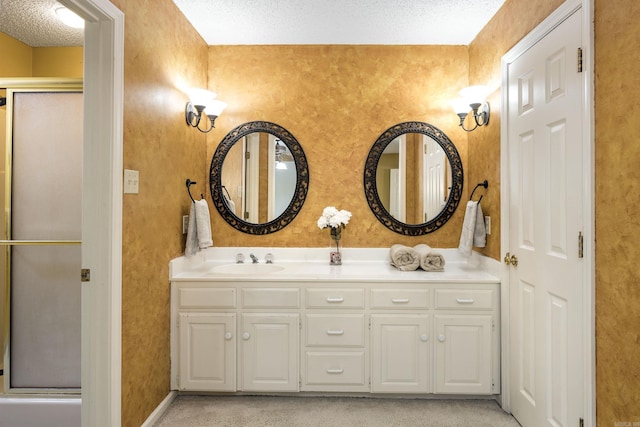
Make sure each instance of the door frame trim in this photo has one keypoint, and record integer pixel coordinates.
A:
(102, 210)
(544, 28)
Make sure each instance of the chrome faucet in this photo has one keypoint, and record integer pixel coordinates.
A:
(254, 258)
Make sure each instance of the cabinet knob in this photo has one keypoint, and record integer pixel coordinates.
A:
(228, 336)
(441, 338)
(424, 337)
(246, 336)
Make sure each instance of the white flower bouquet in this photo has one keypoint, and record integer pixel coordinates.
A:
(336, 220)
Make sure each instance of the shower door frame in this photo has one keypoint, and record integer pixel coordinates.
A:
(28, 85)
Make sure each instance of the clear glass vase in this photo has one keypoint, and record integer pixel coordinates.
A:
(335, 247)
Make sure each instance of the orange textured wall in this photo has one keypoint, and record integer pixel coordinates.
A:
(58, 61)
(513, 21)
(336, 101)
(617, 153)
(163, 55)
(20, 64)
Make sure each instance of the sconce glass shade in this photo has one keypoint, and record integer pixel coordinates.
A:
(460, 106)
(200, 97)
(475, 94)
(215, 108)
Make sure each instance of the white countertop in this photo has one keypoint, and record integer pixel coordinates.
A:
(312, 264)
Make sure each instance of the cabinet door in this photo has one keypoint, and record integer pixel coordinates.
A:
(464, 354)
(207, 352)
(400, 353)
(270, 348)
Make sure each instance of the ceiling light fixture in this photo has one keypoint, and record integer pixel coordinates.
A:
(472, 97)
(69, 18)
(202, 102)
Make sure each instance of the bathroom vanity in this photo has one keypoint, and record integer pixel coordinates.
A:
(301, 325)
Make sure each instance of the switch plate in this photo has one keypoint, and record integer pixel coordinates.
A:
(131, 181)
(487, 224)
(185, 224)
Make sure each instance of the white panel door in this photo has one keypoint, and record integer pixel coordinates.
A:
(270, 348)
(545, 122)
(463, 354)
(400, 353)
(435, 167)
(207, 351)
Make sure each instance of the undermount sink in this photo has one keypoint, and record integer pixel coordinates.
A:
(247, 268)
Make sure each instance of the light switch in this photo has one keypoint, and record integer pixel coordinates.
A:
(487, 224)
(131, 181)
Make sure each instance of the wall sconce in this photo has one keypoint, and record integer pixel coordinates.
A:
(280, 152)
(202, 102)
(472, 98)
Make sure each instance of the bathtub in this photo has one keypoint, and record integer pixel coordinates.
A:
(40, 412)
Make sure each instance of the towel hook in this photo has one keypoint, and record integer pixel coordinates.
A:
(484, 184)
(189, 184)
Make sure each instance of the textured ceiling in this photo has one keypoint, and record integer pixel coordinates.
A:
(234, 22)
(451, 22)
(35, 23)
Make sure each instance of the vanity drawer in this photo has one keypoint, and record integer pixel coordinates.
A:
(342, 368)
(399, 298)
(462, 299)
(326, 330)
(206, 298)
(335, 298)
(270, 298)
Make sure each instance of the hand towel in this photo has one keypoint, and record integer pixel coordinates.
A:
(230, 204)
(473, 229)
(430, 260)
(191, 247)
(404, 258)
(199, 228)
(203, 224)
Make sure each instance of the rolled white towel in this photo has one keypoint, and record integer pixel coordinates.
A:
(430, 260)
(404, 258)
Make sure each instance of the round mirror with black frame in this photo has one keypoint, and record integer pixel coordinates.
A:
(259, 177)
(407, 190)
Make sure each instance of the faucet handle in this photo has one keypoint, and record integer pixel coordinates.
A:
(239, 258)
(269, 258)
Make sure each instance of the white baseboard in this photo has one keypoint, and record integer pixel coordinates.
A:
(160, 410)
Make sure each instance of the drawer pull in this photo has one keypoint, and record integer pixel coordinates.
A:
(465, 300)
(246, 336)
(228, 336)
(335, 371)
(400, 300)
(335, 332)
(335, 299)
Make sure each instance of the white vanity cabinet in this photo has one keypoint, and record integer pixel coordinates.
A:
(335, 331)
(336, 336)
(467, 344)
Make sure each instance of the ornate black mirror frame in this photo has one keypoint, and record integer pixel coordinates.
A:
(302, 177)
(371, 189)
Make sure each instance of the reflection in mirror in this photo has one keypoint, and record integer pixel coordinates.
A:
(259, 177)
(413, 178)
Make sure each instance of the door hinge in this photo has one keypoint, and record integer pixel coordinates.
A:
(85, 275)
(579, 59)
(580, 245)
(493, 325)
(581, 424)
(247, 155)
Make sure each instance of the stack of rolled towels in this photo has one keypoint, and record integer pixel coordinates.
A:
(406, 258)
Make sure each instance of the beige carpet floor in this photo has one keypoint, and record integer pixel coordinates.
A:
(268, 411)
